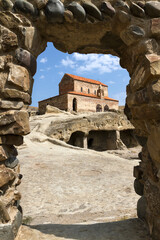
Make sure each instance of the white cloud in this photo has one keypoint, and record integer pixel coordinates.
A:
(41, 70)
(91, 62)
(49, 68)
(42, 77)
(121, 96)
(111, 82)
(68, 62)
(43, 60)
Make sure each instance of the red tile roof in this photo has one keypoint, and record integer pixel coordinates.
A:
(86, 79)
(91, 95)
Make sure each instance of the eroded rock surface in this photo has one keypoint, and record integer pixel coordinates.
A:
(79, 129)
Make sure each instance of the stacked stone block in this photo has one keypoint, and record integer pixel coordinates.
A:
(17, 67)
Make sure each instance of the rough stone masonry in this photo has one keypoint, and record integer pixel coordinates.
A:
(127, 29)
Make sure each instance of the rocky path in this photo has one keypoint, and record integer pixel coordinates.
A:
(77, 194)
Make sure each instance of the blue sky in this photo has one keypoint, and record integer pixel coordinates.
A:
(53, 64)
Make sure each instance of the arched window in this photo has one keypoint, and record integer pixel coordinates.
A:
(98, 108)
(95, 92)
(88, 90)
(81, 89)
(102, 92)
(75, 104)
(106, 108)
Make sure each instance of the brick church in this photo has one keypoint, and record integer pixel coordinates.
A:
(81, 95)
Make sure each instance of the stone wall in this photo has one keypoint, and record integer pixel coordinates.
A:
(85, 103)
(92, 88)
(127, 29)
(66, 85)
(60, 102)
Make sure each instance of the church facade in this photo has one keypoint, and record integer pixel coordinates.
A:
(80, 95)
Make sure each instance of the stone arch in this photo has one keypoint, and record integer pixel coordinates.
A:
(98, 108)
(127, 29)
(106, 108)
(77, 139)
(74, 104)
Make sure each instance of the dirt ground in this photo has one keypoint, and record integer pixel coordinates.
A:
(72, 193)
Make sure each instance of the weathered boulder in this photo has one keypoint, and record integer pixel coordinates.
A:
(6, 175)
(6, 5)
(8, 39)
(6, 151)
(52, 109)
(27, 60)
(16, 94)
(132, 34)
(11, 162)
(11, 140)
(4, 216)
(138, 187)
(19, 76)
(141, 208)
(25, 7)
(91, 9)
(137, 172)
(78, 11)
(4, 154)
(148, 68)
(107, 8)
(6, 104)
(9, 230)
(31, 40)
(4, 60)
(13, 21)
(152, 8)
(14, 122)
(54, 11)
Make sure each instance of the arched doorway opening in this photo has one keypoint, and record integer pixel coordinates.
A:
(102, 140)
(77, 139)
(106, 108)
(74, 105)
(98, 108)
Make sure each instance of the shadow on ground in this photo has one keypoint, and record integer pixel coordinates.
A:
(132, 229)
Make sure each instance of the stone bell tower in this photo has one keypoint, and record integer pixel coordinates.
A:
(100, 92)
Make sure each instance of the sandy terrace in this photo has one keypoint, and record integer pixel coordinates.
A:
(71, 193)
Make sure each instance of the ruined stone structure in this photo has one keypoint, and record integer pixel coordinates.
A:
(80, 94)
(127, 29)
(99, 131)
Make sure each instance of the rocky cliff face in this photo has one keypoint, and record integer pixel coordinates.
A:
(79, 129)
